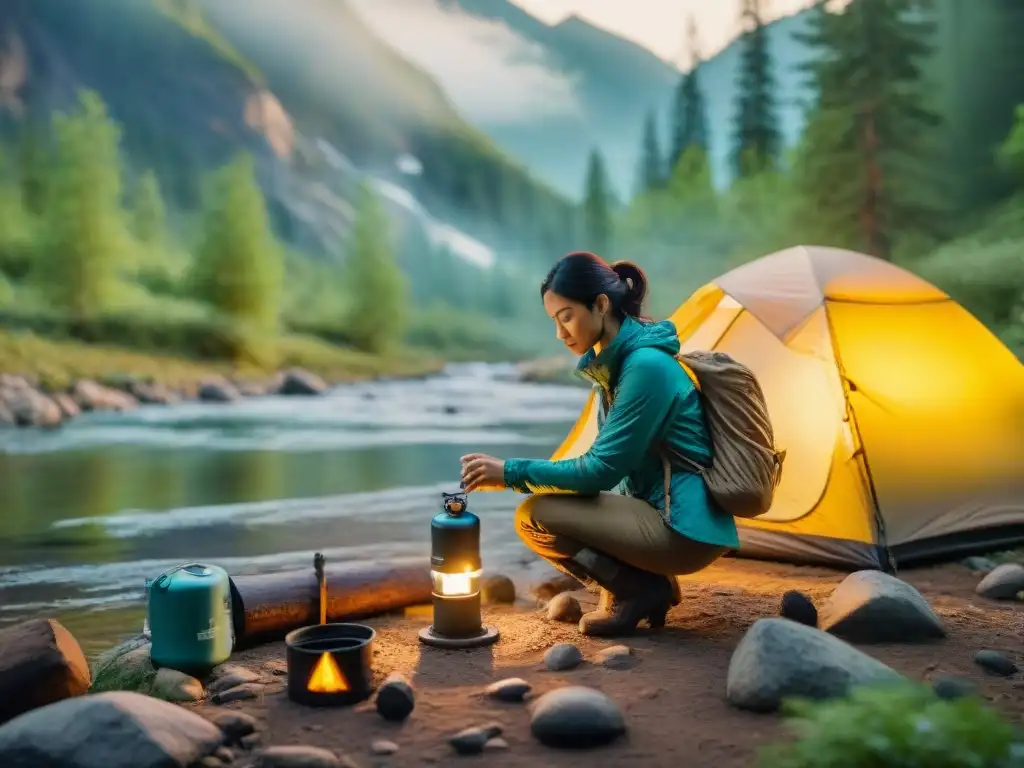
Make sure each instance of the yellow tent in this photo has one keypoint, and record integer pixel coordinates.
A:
(901, 414)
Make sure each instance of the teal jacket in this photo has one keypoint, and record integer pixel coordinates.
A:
(653, 402)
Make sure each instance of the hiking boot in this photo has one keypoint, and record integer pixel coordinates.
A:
(628, 596)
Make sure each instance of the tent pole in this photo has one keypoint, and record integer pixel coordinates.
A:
(887, 559)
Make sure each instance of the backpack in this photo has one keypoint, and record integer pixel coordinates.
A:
(746, 467)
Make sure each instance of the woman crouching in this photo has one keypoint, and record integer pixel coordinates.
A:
(624, 543)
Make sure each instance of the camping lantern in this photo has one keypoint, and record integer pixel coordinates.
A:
(455, 571)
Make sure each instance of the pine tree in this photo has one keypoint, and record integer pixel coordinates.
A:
(865, 165)
(239, 266)
(597, 220)
(149, 213)
(85, 232)
(690, 124)
(757, 141)
(377, 291)
(651, 173)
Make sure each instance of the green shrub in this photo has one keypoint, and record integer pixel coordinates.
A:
(904, 726)
(463, 336)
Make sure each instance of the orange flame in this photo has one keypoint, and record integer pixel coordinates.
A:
(326, 677)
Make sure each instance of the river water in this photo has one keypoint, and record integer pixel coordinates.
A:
(89, 511)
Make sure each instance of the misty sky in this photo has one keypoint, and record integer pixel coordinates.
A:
(660, 24)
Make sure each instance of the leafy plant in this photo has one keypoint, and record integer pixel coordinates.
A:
(904, 726)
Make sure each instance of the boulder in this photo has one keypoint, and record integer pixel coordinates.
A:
(1003, 582)
(778, 659)
(874, 607)
(296, 381)
(40, 663)
(6, 417)
(68, 407)
(108, 730)
(152, 393)
(91, 396)
(31, 408)
(218, 392)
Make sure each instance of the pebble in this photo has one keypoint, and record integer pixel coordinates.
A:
(235, 725)
(495, 745)
(617, 657)
(296, 757)
(498, 589)
(512, 689)
(227, 671)
(471, 741)
(798, 607)
(238, 693)
(383, 747)
(250, 741)
(995, 663)
(395, 698)
(577, 718)
(313, 727)
(565, 607)
(950, 688)
(224, 754)
(562, 657)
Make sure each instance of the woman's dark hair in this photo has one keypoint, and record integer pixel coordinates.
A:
(583, 276)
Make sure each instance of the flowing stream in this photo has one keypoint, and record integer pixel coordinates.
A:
(89, 511)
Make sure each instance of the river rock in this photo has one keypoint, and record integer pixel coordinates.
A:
(6, 417)
(395, 698)
(126, 667)
(980, 564)
(296, 381)
(107, 730)
(617, 657)
(995, 663)
(798, 607)
(234, 725)
(152, 393)
(296, 757)
(874, 607)
(951, 688)
(498, 588)
(546, 590)
(562, 657)
(242, 692)
(31, 408)
(40, 663)
(172, 685)
(576, 717)
(214, 391)
(513, 689)
(229, 675)
(92, 396)
(471, 741)
(779, 659)
(383, 747)
(1003, 582)
(565, 607)
(68, 407)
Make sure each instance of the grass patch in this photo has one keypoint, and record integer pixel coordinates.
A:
(58, 362)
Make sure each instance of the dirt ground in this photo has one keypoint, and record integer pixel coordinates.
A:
(674, 699)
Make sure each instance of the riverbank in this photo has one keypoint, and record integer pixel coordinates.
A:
(671, 688)
(704, 691)
(46, 381)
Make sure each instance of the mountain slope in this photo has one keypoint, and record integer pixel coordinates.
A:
(341, 83)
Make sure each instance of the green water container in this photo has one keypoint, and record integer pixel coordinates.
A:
(189, 611)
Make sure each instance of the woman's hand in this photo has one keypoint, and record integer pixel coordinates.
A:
(481, 472)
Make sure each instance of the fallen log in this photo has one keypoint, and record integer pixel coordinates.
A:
(267, 606)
